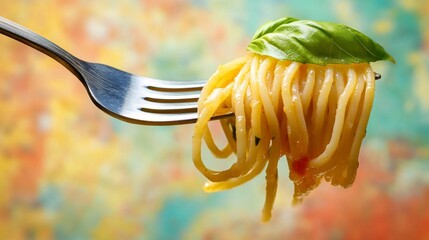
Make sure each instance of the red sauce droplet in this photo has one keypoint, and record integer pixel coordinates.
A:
(300, 166)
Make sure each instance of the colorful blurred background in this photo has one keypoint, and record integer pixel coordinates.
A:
(69, 171)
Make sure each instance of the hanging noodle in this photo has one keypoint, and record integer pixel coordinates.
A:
(314, 115)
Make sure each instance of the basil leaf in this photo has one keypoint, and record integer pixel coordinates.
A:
(314, 42)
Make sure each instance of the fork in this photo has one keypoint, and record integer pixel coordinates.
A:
(131, 98)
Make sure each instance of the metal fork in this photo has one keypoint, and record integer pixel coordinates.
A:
(125, 96)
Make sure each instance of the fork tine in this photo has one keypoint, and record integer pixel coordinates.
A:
(155, 118)
(165, 96)
(162, 107)
(165, 85)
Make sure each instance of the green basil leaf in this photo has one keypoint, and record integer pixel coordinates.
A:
(314, 42)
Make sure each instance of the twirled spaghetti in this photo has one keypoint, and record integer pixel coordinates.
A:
(302, 111)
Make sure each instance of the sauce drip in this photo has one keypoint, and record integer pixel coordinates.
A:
(300, 166)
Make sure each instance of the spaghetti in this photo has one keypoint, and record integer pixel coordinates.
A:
(285, 108)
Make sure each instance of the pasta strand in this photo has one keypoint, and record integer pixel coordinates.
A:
(314, 115)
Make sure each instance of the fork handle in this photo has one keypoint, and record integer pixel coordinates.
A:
(22, 34)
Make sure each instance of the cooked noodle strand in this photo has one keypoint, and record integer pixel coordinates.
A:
(314, 115)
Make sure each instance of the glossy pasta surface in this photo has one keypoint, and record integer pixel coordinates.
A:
(314, 115)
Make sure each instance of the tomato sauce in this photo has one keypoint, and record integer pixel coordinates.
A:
(300, 166)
